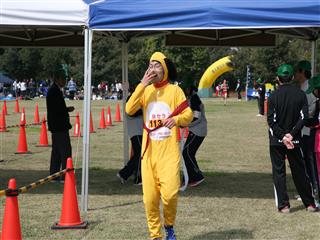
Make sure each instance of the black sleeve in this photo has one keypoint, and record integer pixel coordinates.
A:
(195, 103)
(272, 121)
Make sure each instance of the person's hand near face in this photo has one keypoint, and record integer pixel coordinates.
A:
(153, 74)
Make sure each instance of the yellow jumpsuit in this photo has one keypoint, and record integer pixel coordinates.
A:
(161, 162)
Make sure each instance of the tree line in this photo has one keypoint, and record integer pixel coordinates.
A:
(191, 62)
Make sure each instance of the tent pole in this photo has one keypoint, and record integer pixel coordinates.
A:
(314, 57)
(125, 84)
(86, 117)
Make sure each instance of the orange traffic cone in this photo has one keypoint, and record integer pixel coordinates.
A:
(91, 124)
(36, 115)
(118, 115)
(77, 132)
(3, 127)
(23, 119)
(5, 107)
(70, 216)
(22, 146)
(186, 132)
(109, 119)
(11, 222)
(43, 134)
(102, 120)
(17, 109)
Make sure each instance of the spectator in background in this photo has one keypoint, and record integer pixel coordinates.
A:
(197, 133)
(261, 88)
(58, 122)
(72, 88)
(23, 89)
(288, 109)
(302, 75)
(135, 129)
(238, 89)
(224, 89)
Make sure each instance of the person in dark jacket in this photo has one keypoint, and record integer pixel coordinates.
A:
(288, 109)
(58, 122)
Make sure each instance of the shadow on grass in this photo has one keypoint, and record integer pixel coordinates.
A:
(229, 234)
(105, 182)
(116, 206)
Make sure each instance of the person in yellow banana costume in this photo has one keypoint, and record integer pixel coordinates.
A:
(164, 110)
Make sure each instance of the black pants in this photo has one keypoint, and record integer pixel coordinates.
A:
(71, 95)
(61, 151)
(189, 155)
(134, 164)
(239, 94)
(261, 104)
(298, 170)
(310, 161)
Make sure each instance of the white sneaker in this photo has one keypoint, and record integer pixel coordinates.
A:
(259, 115)
(122, 180)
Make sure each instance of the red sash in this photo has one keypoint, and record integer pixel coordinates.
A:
(177, 111)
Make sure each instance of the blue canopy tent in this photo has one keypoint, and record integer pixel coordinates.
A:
(186, 23)
(5, 79)
(194, 23)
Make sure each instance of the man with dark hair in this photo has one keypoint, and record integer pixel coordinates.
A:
(302, 75)
(58, 122)
(288, 109)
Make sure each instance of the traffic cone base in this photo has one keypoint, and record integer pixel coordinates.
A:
(27, 152)
(82, 225)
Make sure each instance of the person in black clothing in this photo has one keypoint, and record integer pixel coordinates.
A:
(238, 89)
(261, 88)
(288, 109)
(135, 130)
(58, 122)
(197, 133)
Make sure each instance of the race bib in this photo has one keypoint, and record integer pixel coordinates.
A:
(156, 113)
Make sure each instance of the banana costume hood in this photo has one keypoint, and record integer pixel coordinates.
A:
(161, 161)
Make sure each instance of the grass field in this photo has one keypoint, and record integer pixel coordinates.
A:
(236, 200)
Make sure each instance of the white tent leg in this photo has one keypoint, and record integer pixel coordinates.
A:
(125, 84)
(314, 57)
(86, 117)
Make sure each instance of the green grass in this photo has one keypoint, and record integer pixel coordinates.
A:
(235, 202)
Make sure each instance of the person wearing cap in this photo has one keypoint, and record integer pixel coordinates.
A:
(164, 110)
(261, 88)
(288, 109)
(197, 133)
(135, 129)
(302, 75)
(58, 122)
(313, 121)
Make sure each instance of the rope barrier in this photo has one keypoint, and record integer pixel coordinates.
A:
(26, 125)
(24, 189)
